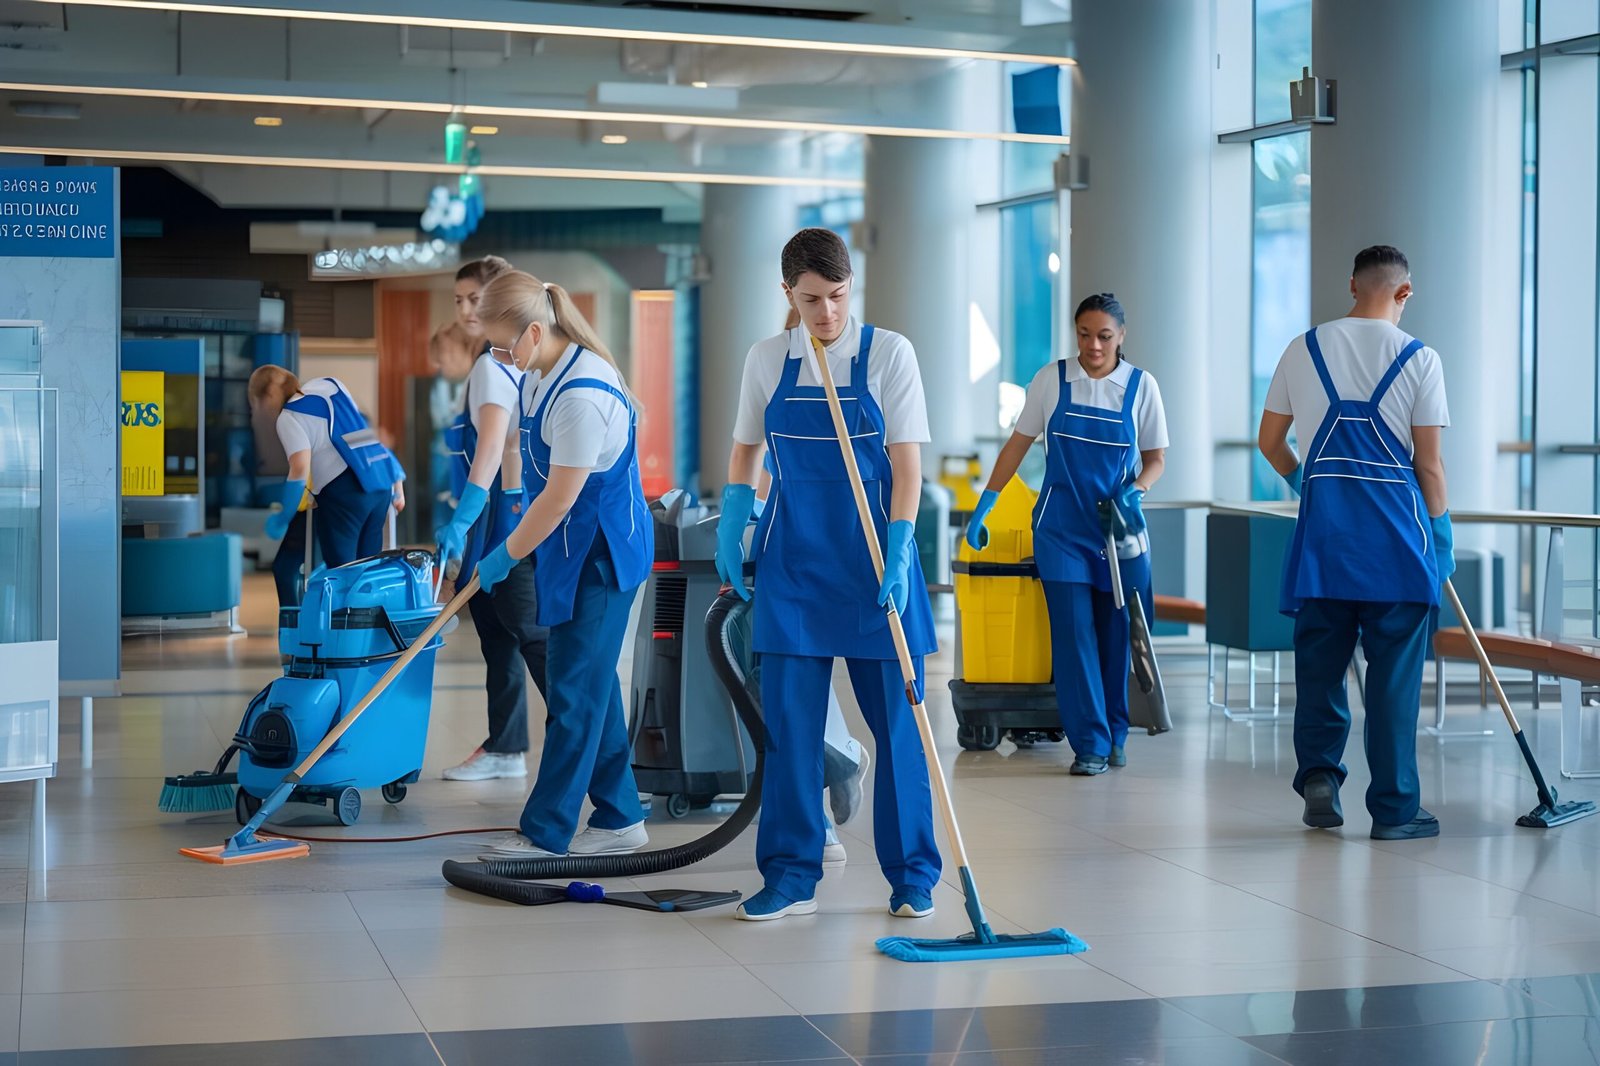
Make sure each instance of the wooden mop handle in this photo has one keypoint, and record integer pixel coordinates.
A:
(1483, 656)
(908, 670)
(389, 675)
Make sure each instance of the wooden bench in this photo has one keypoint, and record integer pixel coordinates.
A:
(1178, 609)
(1513, 652)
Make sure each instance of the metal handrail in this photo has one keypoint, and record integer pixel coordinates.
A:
(1288, 509)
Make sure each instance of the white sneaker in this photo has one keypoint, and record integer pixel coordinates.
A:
(486, 766)
(594, 841)
(516, 846)
(833, 856)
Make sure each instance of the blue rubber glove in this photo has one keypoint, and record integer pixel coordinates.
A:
(1444, 546)
(1130, 501)
(278, 521)
(493, 568)
(1292, 479)
(897, 566)
(738, 504)
(452, 538)
(977, 535)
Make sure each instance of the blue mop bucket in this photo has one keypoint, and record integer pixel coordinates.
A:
(354, 622)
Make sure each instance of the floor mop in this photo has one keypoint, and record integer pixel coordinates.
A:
(1549, 813)
(983, 942)
(244, 846)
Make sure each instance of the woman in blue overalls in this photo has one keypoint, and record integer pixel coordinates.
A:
(592, 540)
(487, 483)
(819, 597)
(1105, 439)
(354, 478)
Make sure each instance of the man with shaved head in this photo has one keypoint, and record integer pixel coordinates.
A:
(1372, 545)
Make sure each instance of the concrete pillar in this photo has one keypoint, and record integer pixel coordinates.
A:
(742, 233)
(1142, 118)
(920, 208)
(1408, 164)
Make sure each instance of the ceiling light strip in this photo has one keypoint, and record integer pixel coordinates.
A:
(550, 113)
(687, 177)
(907, 51)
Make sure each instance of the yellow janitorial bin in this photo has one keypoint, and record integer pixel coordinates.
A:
(1005, 630)
(960, 474)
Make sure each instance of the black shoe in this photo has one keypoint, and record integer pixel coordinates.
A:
(1322, 802)
(1118, 756)
(1087, 765)
(1422, 826)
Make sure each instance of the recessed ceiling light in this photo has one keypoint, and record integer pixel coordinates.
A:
(485, 131)
(613, 138)
(554, 114)
(268, 120)
(407, 166)
(699, 84)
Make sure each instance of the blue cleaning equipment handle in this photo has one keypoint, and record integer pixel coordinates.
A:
(977, 532)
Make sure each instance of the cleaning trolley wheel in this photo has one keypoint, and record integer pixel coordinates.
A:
(245, 806)
(348, 806)
(678, 805)
(393, 792)
(978, 738)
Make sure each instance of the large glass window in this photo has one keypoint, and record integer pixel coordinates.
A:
(1283, 49)
(1280, 254)
(1030, 268)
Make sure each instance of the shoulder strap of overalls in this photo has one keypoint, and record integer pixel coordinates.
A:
(1315, 351)
(863, 357)
(1131, 392)
(555, 386)
(603, 386)
(507, 372)
(791, 363)
(1395, 367)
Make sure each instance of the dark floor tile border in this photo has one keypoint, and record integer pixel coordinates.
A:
(1252, 1029)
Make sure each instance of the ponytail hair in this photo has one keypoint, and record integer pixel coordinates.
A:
(813, 250)
(520, 299)
(271, 387)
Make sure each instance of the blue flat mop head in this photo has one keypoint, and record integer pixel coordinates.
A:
(1004, 946)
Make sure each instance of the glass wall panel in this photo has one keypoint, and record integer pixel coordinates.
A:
(1283, 48)
(1281, 272)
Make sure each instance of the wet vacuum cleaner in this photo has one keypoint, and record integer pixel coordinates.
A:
(364, 637)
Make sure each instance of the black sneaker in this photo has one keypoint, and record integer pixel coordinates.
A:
(1322, 802)
(1088, 765)
(1422, 826)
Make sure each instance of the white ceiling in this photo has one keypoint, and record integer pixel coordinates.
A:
(59, 48)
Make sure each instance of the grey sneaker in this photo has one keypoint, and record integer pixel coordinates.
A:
(486, 766)
(593, 841)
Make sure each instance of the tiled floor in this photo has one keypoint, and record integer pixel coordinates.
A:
(1221, 930)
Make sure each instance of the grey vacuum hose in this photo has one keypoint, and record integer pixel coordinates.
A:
(507, 879)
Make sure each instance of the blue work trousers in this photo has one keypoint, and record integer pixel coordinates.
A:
(1394, 637)
(1090, 656)
(794, 699)
(585, 737)
(349, 520)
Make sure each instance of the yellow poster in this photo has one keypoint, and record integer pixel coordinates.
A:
(143, 434)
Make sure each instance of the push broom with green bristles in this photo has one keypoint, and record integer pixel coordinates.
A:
(983, 942)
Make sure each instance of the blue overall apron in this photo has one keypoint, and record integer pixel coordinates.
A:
(586, 573)
(352, 508)
(817, 600)
(1360, 567)
(498, 518)
(1091, 454)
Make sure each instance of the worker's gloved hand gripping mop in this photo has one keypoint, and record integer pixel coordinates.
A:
(244, 846)
(983, 942)
(1549, 813)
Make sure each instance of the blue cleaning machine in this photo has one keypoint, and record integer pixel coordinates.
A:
(353, 622)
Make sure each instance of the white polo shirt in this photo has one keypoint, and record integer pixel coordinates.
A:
(1358, 352)
(302, 432)
(497, 383)
(584, 427)
(1107, 393)
(892, 378)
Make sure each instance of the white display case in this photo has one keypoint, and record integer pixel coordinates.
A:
(29, 596)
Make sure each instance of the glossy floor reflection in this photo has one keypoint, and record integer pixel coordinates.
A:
(1221, 930)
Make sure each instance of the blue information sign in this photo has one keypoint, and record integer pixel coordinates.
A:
(58, 211)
